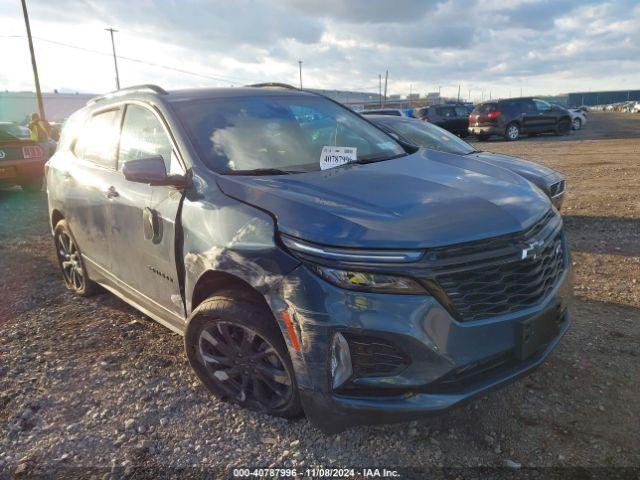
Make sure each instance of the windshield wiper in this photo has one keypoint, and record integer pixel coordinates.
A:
(365, 160)
(259, 171)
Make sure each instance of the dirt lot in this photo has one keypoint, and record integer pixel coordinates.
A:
(92, 383)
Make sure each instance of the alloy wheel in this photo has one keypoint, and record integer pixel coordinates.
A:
(513, 132)
(576, 124)
(69, 258)
(245, 365)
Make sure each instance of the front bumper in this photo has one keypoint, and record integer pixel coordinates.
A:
(437, 345)
(16, 172)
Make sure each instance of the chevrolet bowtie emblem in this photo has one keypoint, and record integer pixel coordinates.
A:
(531, 250)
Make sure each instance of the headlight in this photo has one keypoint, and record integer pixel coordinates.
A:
(308, 249)
(369, 282)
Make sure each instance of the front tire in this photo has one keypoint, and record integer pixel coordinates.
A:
(512, 132)
(70, 261)
(576, 124)
(563, 128)
(237, 351)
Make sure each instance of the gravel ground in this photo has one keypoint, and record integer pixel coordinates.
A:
(93, 384)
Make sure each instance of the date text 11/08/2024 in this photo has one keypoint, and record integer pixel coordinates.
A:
(315, 473)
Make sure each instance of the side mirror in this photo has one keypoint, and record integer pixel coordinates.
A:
(151, 170)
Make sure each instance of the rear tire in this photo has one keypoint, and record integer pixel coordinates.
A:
(512, 132)
(227, 340)
(70, 260)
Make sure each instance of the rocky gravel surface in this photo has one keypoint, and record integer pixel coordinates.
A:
(92, 387)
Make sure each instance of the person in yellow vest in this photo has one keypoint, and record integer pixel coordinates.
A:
(39, 128)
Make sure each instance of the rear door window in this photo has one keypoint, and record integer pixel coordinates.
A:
(447, 112)
(98, 139)
(461, 111)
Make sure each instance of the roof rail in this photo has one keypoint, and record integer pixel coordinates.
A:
(273, 85)
(123, 91)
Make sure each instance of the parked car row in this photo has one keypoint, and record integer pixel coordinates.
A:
(631, 106)
(508, 118)
(355, 269)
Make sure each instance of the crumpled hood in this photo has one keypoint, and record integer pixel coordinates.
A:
(534, 172)
(422, 200)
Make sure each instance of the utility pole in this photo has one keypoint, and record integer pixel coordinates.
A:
(520, 91)
(458, 92)
(380, 90)
(300, 69)
(115, 59)
(469, 94)
(439, 89)
(36, 78)
(386, 77)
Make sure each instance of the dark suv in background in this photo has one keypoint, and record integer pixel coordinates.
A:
(311, 261)
(509, 118)
(451, 117)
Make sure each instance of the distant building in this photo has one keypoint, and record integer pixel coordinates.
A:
(413, 96)
(17, 106)
(602, 98)
(558, 99)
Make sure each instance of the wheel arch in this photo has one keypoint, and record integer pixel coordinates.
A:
(213, 281)
(56, 216)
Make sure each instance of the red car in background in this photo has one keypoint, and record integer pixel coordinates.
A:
(21, 159)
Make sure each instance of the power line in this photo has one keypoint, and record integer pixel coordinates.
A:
(137, 60)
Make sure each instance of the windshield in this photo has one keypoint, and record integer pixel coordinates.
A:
(278, 132)
(11, 131)
(428, 135)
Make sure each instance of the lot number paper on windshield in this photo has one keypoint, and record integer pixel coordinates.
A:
(335, 156)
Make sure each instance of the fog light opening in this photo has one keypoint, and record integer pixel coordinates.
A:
(341, 369)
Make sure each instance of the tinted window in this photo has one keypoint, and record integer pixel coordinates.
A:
(143, 136)
(542, 106)
(461, 111)
(428, 135)
(283, 132)
(98, 139)
(445, 111)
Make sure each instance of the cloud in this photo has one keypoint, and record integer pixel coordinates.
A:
(546, 46)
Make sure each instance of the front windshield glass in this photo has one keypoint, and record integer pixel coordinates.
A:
(430, 136)
(283, 132)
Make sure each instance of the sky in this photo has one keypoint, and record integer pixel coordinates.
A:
(497, 47)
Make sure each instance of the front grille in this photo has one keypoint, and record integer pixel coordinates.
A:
(501, 275)
(371, 356)
(556, 189)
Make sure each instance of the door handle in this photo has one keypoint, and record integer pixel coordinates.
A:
(111, 192)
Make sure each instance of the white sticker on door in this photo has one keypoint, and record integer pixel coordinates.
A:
(335, 156)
